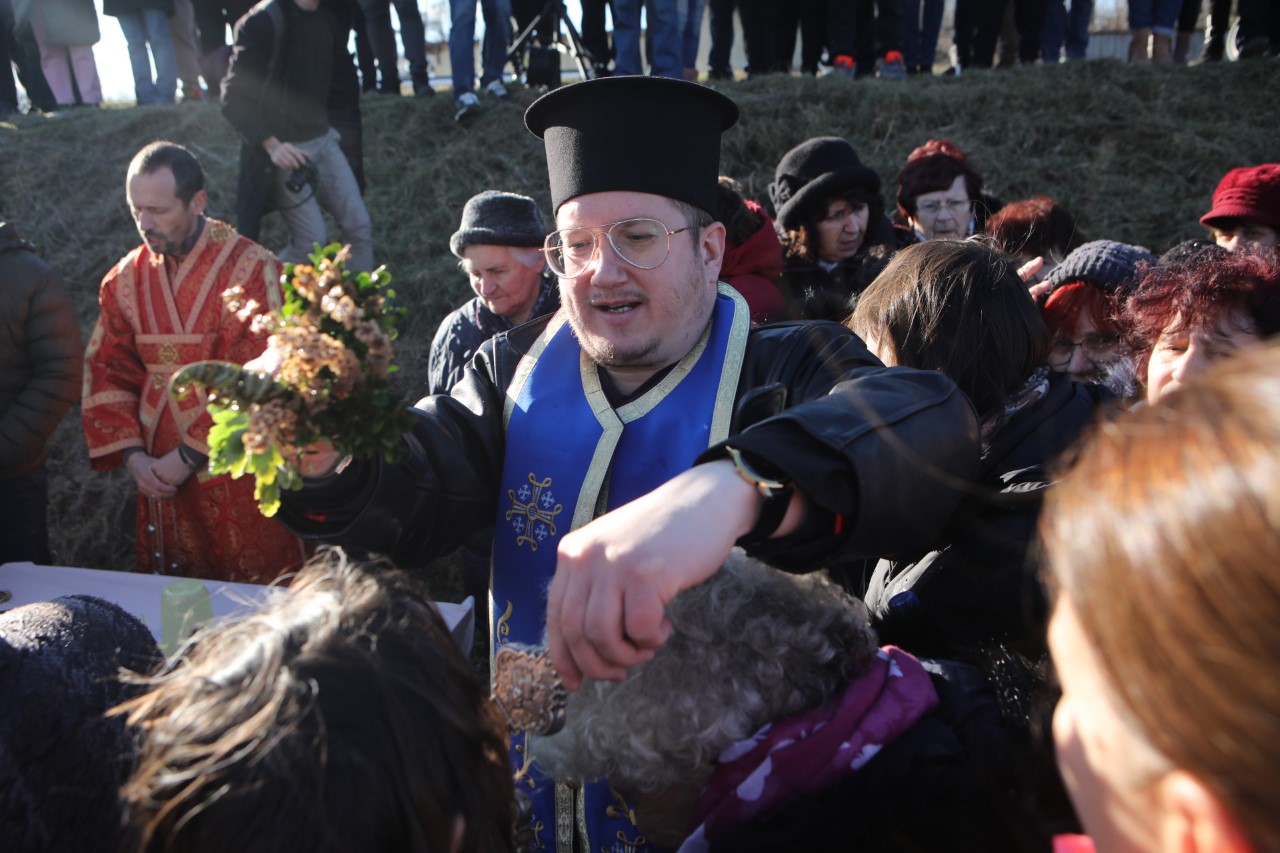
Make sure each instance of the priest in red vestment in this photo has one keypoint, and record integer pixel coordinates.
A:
(161, 308)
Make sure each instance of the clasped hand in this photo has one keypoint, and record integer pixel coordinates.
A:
(158, 477)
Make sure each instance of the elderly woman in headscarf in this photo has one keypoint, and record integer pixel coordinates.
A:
(835, 236)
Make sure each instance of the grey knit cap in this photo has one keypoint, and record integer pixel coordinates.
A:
(1106, 264)
(495, 218)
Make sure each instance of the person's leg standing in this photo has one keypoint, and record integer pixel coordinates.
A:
(841, 31)
(756, 37)
(784, 18)
(8, 88)
(1079, 20)
(989, 16)
(593, 32)
(691, 37)
(962, 34)
(301, 210)
(1253, 39)
(339, 194)
(462, 36)
(1054, 33)
(626, 37)
(55, 62)
(888, 28)
(366, 63)
(930, 27)
(157, 24)
(377, 26)
(1030, 15)
(864, 48)
(813, 34)
(135, 35)
(664, 23)
(721, 26)
(182, 34)
(911, 34)
(497, 39)
(413, 37)
(84, 69)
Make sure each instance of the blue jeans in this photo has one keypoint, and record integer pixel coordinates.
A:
(462, 36)
(1160, 16)
(664, 20)
(691, 12)
(143, 28)
(24, 524)
(1071, 28)
(921, 23)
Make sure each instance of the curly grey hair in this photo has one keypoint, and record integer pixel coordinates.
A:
(750, 645)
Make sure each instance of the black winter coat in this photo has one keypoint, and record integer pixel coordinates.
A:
(810, 292)
(41, 354)
(978, 581)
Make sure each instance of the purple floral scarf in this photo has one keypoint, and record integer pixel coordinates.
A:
(809, 752)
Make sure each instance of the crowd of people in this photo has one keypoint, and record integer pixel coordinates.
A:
(800, 503)
(179, 48)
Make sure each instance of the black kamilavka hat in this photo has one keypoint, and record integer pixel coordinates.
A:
(643, 134)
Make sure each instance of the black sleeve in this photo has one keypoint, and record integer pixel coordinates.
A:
(243, 89)
(885, 452)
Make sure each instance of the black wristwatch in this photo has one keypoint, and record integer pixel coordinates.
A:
(777, 497)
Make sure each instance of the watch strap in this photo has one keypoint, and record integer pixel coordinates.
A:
(775, 491)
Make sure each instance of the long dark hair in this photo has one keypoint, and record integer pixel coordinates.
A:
(958, 307)
(342, 716)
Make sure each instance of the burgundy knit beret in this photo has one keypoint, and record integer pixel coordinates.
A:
(1251, 193)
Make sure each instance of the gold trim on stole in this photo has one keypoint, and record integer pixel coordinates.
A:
(526, 365)
(593, 487)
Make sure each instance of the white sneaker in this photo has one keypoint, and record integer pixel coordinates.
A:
(466, 102)
(496, 89)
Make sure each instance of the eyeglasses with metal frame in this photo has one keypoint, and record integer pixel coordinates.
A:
(643, 242)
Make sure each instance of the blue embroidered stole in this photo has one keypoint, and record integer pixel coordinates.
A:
(570, 457)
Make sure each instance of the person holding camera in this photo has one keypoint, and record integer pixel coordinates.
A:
(292, 94)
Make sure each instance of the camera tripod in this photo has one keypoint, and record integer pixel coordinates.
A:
(542, 65)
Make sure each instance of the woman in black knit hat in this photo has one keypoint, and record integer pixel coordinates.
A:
(835, 236)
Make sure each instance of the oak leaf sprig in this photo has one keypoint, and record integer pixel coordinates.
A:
(332, 342)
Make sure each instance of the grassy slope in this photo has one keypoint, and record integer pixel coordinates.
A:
(1135, 153)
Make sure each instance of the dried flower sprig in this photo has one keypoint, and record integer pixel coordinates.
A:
(332, 339)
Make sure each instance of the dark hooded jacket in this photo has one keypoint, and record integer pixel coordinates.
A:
(41, 354)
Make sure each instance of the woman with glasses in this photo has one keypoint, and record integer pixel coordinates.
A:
(1211, 306)
(1082, 298)
(835, 236)
(940, 196)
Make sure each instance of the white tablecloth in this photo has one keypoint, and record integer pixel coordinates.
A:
(140, 594)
